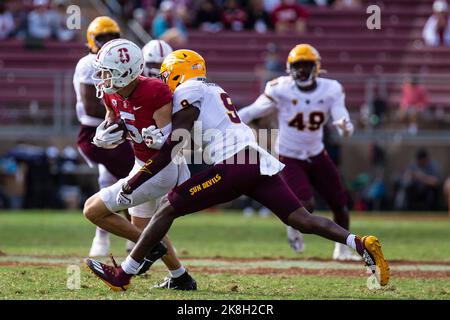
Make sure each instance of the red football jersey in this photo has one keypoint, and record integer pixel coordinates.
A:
(137, 110)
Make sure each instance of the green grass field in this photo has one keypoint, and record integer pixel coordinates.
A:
(232, 257)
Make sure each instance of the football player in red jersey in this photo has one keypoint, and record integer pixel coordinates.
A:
(141, 102)
(240, 167)
(91, 113)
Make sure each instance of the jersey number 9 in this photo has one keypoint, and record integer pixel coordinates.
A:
(231, 109)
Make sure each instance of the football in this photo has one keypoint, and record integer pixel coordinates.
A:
(121, 126)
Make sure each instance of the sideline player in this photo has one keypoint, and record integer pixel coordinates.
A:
(91, 113)
(140, 102)
(304, 103)
(154, 53)
(240, 167)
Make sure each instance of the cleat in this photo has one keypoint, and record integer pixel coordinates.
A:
(374, 259)
(183, 282)
(156, 253)
(295, 239)
(343, 253)
(100, 247)
(113, 277)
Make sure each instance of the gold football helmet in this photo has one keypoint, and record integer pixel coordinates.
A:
(101, 26)
(180, 66)
(307, 54)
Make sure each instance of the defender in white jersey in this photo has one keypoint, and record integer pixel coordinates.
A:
(91, 113)
(304, 102)
(240, 167)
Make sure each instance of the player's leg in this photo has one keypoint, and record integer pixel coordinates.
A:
(179, 278)
(99, 214)
(326, 180)
(274, 193)
(295, 175)
(101, 244)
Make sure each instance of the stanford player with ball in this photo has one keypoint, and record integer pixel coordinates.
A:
(137, 103)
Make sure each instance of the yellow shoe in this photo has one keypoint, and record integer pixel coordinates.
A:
(374, 258)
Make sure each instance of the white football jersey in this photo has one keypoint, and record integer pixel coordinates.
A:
(83, 74)
(301, 115)
(222, 132)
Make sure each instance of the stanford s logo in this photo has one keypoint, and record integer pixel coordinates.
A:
(123, 55)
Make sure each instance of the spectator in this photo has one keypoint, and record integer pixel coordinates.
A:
(168, 26)
(234, 17)
(20, 16)
(437, 28)
(420, 184)
(258, 20)
(62, 32)
(347, 4)
(274, 65)
(41, 20)
(208, 17)
(414, 101)
(288, 16)
(269, 5)
(6, 22)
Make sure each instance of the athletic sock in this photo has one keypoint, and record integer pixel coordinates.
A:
(177, 272)
(130, 266)
(101, 234)
(355, 243)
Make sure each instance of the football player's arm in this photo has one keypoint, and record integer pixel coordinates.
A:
(340, 115)
(92, 104)
(182, 120)
(262, 107)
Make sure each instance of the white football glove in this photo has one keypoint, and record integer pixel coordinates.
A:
(124, 199)
(106, 139)
(344, 126)
(153, 137)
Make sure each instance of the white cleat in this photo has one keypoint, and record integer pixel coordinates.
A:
(129, 246)
(295, 239)
(100, 247)
(344, 253)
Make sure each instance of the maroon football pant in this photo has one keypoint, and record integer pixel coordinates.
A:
(318, 172)
(225, 182)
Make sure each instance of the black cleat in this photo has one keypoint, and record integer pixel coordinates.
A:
(156, 253)
(183, 282)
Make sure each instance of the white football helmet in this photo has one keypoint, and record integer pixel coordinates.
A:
(118, 63)
(154, 53)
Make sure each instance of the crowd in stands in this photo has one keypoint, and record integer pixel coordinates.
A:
(175, 16)
(35, 20)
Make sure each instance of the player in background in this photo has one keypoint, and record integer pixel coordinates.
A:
(141, 102)
(154, 53)
(240, 167)
(304, 102)
(91, 113)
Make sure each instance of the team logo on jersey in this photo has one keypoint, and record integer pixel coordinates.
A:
(125, 104)
(114, 102)
(123, 55)
(307, 101)
(321, 101)
(294, 102)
